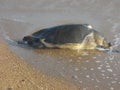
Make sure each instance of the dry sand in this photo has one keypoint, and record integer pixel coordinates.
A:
(15, 74)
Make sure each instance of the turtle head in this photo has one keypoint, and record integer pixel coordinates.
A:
(31, 41)
(88, 26)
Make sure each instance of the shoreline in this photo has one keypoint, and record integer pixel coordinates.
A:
(15, 74)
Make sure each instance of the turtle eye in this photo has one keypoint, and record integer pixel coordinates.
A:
(26, 38)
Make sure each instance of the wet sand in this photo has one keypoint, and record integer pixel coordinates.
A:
(88, 70)
(15, 74)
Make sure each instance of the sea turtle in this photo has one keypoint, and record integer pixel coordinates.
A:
(70, 36)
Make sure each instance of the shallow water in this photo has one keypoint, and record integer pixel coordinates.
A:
(89, 70)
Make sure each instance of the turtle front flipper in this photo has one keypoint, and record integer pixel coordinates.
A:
(102, 48)
(33, 42)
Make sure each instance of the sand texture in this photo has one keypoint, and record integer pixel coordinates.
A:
(26, 68)
(17, 75)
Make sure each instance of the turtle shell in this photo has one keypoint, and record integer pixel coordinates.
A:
(62, 34)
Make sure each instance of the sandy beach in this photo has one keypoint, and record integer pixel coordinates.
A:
(26, 68)
(15, 74)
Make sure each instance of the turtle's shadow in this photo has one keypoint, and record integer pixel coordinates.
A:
(66, 54)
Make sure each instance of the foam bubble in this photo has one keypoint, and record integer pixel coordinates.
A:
(84, 88)
(103, 74)
(75, 77)
(97, 61)
(111, 88)
(80, 81)
(88, 76)
(99, 68)
(91, 69)
(76, 69)
(110, 70)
